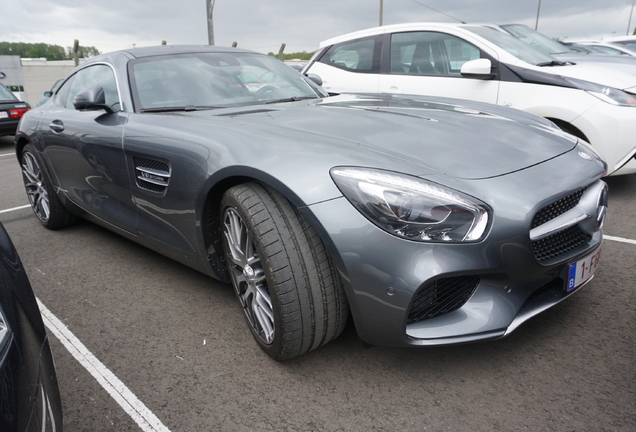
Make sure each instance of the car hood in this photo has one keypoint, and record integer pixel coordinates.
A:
(462, 139)
(619, 76)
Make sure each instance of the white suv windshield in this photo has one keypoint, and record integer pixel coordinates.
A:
(512, 45)
(536, 39)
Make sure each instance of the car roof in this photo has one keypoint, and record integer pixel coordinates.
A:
(390, 28)
(620, 38)
(152, 51)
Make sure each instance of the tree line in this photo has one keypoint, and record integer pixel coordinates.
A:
(293, 56)
(42, 50)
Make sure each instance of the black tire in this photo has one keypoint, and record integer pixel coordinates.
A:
(292, 297)
(45, 203)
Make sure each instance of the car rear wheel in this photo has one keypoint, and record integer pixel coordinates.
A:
(292, 297)
(44, 202)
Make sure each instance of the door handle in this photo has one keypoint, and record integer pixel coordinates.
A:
(392, 90)
(56, 126)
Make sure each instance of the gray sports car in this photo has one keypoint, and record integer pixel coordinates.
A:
(428, 221)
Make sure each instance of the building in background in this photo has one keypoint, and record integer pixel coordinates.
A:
(28, 79)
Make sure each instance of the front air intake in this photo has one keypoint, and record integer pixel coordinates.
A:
(441, 297)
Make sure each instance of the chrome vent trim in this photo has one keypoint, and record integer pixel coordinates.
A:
(151, 175)
(566, 226)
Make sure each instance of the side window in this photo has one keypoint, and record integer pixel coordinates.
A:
(459, 52)
(430, 53)
(362, 55)
(98, 75)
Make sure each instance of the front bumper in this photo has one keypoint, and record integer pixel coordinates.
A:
(500, 279)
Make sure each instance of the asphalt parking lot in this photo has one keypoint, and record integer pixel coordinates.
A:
(183, 360)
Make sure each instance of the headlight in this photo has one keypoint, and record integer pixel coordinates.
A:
(605, 93)
(412, 208)
(589, 149)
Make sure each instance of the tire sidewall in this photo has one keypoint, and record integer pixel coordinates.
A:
(275, 349)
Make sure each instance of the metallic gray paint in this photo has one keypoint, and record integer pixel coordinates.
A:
(514, 162)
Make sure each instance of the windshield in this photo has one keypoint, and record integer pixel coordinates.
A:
(6, 95)
(538, 40)
(631, 43)
(213, 80)
(512, 45)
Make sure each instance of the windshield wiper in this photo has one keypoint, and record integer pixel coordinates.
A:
(552, 63)
(180, 108)
(291, 99)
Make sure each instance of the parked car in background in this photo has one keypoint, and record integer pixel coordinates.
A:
(29, 395)
(428, 220)
(600, 47)
(626, 41)
(47, 94)
(564, 52)
(11, 109)
(595, 103)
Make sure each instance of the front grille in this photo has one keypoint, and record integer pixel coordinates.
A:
(565, 241)
(557, 208)
(559, 243)
(441, 297)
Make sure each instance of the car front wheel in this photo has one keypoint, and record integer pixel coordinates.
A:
(292, 298)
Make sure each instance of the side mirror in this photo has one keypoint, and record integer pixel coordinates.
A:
(315, 79)
(91, 99)
(478, 68)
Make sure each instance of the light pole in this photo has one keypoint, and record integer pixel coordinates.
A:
(209, 6)
(629, 23)
(381, 11)
(536, 24)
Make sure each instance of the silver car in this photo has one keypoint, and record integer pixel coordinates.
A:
(428, 221)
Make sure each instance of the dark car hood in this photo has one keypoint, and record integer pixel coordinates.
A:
(465, 140)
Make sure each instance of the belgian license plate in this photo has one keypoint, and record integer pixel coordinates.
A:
(3, 114)
(582, 270)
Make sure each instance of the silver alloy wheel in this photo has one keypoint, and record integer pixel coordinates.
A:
(248, 276)
(35, 187)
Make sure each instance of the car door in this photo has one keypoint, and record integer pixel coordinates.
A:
(429, 63)
(84, 149)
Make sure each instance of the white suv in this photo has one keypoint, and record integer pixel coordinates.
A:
(593, 102)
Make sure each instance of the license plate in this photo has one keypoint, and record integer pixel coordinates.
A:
(3, 114)
(582, 270)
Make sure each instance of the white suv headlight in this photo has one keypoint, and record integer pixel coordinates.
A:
(413, 208)
(606, 94)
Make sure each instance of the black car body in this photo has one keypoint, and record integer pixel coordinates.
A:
(29, 394)
(11, 110)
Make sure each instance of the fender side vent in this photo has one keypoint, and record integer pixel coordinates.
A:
(151, 175)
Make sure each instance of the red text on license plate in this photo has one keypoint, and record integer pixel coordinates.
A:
(582, 270)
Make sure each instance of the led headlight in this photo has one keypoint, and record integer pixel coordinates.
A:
(412, 208)
(606, 94)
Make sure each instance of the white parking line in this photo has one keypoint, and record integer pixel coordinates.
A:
(15, 208)
(146, 420)
(619, 239)
(7, 154)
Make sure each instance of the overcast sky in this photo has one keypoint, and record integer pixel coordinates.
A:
(263, 25)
